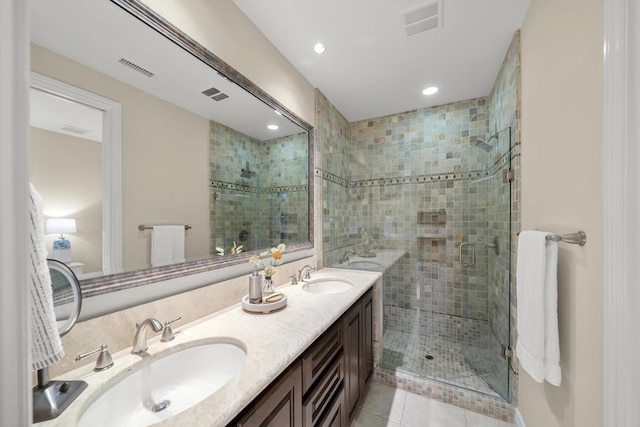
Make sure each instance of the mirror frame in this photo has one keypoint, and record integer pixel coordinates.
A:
(64, 269)
(122, 281)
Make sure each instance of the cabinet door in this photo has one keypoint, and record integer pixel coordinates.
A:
(280, 405)
(367, 337)
(353, 356)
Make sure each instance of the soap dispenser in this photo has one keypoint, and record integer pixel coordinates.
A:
(255, 287)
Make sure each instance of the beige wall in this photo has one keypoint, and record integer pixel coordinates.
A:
(223, 29)
(562, 80)
(67, 172)
(165, 159)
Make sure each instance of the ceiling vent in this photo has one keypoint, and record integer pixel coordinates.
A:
(136, 67)
(423, 18)
(75, 129)
(215, 94)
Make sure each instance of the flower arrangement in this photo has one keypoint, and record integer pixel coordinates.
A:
(276, 259)
(233, 251)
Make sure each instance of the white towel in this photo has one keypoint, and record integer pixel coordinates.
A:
(46, 346)
(538, 345)
(389, 226)
(167, 245)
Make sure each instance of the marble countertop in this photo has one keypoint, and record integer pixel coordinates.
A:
(272, 342)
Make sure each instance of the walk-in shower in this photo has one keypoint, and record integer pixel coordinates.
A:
(446, 303)
(438, 201)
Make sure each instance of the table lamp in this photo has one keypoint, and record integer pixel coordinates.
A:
(61, 246)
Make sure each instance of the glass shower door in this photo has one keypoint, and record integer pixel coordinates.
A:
(486, 263)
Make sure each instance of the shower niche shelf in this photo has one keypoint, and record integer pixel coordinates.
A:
(432, 249)
(438, 217)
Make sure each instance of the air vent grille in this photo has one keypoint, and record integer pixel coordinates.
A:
(220, 97)
(136, 67)
(215, 94)
(75, 129)
(423, 18)
(211, 92)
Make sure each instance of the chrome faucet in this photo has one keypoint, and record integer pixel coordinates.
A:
(140, 339)
(345, 257)
(305, 272)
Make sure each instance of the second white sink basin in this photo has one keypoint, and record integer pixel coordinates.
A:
(327, 286)
(365, 265)
(165, 386)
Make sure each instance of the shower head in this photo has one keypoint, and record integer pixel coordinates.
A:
(483, 145)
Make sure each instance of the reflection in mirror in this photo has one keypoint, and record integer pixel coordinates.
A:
(263, 202)
(197, 149)
(67, 298)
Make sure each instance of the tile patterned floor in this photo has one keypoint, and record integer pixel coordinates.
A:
(451, 349)
(391, 407)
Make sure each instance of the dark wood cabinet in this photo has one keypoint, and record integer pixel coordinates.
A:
(358, 350)
(352, 322)
(280, 405)
(322, 388)
(367, 336)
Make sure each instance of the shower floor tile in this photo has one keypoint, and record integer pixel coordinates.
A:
(441, 347)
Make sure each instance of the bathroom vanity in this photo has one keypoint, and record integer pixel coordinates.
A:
(322, 387)
(305, 365)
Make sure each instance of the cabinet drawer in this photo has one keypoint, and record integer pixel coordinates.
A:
(324, 392)
(336, 416)
(318, 357)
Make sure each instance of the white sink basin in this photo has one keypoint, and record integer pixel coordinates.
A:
(363, 265)
(327, 286)
(180, 379)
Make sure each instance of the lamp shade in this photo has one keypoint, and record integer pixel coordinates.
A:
(60, 226)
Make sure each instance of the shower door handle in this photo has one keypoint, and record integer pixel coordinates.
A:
(473, 254)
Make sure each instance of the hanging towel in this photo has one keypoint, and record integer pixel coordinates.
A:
(46, 346)
(538, 345)
(389, 226)
(167, 245)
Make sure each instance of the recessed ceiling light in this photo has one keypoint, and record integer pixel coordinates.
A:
(319, 48)
(273, 127)
(430, 90)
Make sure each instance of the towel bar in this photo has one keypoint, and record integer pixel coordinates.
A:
(579, 238)
(143, 227)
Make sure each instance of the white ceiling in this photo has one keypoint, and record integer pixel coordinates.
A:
(51, 112)
(371, 68)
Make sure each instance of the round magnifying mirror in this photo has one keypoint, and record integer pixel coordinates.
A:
(67, 299)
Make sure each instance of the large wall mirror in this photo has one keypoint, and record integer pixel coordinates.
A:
(200, 146)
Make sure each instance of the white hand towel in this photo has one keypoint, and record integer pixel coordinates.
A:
(389, 226)
(167, 245)
(538, 345)
(46, 346)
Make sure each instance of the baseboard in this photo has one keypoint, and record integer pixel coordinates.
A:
(518, 419)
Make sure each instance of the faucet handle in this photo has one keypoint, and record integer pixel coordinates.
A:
(307, 274)
(167, 332)
(294, 279)
(104, 360)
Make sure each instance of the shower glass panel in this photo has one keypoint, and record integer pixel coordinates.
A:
(446, 299)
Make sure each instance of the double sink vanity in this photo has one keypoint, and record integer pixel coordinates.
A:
(303, 365)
